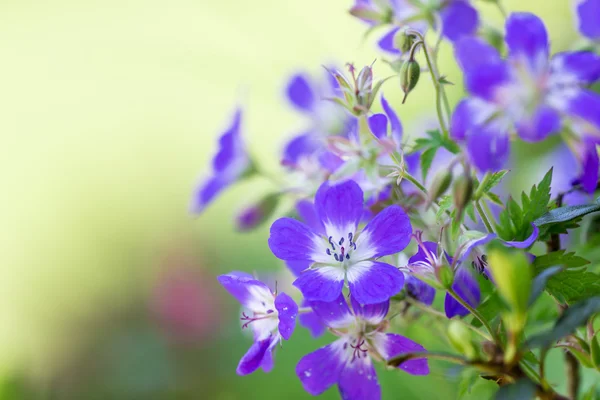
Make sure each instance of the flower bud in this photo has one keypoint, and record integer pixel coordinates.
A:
(403, 42)
(462, 191)
(409, 76)
(461, 339)
(254, 215)
(441, 183)
(364, 85)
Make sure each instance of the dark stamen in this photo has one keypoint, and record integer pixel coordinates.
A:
(328, 252)
(341, 241)
(331, 243)
(336, 257)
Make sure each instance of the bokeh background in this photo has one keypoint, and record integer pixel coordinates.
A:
(109, 114)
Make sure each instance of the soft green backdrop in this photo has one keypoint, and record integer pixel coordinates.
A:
(109, 115)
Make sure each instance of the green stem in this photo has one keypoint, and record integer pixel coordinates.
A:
(435, 356)
(501, 8)
(475, 313)
(424, 308)
(415, 182)
(484, 217)
(435, 80)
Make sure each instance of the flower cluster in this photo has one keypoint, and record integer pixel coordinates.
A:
(384, 221)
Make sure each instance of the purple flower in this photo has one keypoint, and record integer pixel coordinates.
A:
(528, 91)
(348, 362)
(306, 155)
(426, 263)
(588, 15)
(271, 316)
(458, 18)
(343, 252)
(230, 164)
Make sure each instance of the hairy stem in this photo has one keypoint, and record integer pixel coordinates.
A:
(484, 217)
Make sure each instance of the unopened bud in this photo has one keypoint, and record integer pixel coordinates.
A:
(403, 41)
(461, 339)
(441, 183)
(254, 215)
(409, 76)
(364, 85)
(462, 191)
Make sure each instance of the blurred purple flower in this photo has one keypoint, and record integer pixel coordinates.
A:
(343, 252)
(457, 17)
(347, 362)
(229, 165)
(528, 91)
(273, 318)
(588, 16)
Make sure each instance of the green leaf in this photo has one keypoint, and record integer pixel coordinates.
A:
(489, 182)
(595, 351)
(494, 198)
(523, 389)
(489, 309)
(444, 81)
(539, 283)
(426, 160)
(558, 258)
(591, 394)
(468, 378)
(537, 204)
(573, 285)
(470, 209)
(571, 319)
(445, 203)
(512, 276)
(564, 214)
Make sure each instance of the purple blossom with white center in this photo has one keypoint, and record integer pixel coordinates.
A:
(343, 252)
(588, 18)
(529, 91)
(272, 317)
(229, 165)
(348, 362)
(458, 18)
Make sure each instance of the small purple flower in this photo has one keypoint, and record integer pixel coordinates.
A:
(424, 265)
(306, 155)
(230, 164)
(271, 316)
(588, 16)
(528, 91)
(344, 252)
(348, 362)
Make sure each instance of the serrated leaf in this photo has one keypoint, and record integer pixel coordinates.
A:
(539, 198)
(426, 160)
(571, 319)
(523, 389)
(558, 258)
(489, 183)
(564, 214)
(573, 285)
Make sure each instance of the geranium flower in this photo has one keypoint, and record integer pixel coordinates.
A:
(344, 252)
(528, 92)
(230, 164)
(348, 362)
(272, 317)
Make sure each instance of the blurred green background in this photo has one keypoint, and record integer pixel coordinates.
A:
(110, 111)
